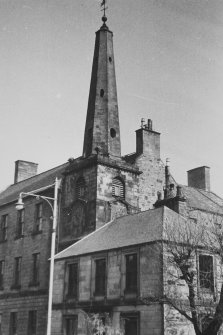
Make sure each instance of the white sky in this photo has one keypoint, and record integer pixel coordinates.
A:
(169, 67)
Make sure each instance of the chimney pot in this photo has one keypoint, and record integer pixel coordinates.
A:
(142, 122)
(150, 124)
(179, 191)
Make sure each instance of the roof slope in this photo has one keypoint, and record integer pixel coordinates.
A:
(125, 231)
(11, 193)
(203, 200)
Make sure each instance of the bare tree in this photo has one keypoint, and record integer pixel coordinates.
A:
(98, 324)
(191, 292)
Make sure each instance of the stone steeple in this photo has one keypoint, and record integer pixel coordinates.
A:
(102, 131)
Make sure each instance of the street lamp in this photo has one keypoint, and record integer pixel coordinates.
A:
(52, 202)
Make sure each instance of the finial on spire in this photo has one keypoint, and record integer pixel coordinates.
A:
(104, 8)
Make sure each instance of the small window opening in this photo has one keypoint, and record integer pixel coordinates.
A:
(112, 132)
(100, 277)
(206, 274)
(80, 188)
(131, 273)
(118, 188)
(110, 59)
(102, 92)
(72, 290)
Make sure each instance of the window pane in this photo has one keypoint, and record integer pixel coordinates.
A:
(100, 276)
(206, 272)
(130, 325)
(71, 326)
(32, 323)
(2, 263)
(39, 211)
(4, 226)
(17, 270)
(131, 273)
(21, 222)
(13, 324)
(72, 280)
(35, 274)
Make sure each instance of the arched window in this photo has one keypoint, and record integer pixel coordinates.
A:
(80, 188)
(118, 188)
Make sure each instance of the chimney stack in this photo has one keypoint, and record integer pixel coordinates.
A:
(147, 140)
(24, 170)
(199, 178)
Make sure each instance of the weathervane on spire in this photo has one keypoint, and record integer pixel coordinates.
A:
(103, 5)
(104, 8)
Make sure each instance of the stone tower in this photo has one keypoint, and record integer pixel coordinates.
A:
(99, 185)
(102, 124)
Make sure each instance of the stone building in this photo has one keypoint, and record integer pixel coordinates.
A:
(95, 188)
(107, 224)
(125, 268)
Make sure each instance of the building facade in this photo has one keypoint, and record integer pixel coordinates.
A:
(144, 270)
(97, 190)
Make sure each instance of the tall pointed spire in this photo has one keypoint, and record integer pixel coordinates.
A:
(102, 124)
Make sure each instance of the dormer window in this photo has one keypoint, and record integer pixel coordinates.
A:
(118, 189)
(80, 188)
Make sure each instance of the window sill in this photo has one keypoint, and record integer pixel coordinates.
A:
(130, 294)
(71, 298)
(15, 287)
(37, 232)
(19, 237)
(99, 296)
(34, 284)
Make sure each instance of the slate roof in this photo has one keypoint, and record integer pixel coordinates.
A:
(125, 231)
(203, 200)
(11, 193)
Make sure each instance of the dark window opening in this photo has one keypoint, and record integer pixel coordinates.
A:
(17, 273)
(2, 265)
(13, 323)
(80, 188)
(112, 132)
(206, 274)
(131, 324)
(118, 188)
(102, 92)
(205, 321)
(21, 217)
(35, 269)
(4, 227)
(32, 323)
(72, 280)
(110, 59)
(100, 277)
(71, 325)
(131, 273)
(39, 217)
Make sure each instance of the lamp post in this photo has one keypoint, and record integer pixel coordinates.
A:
(52, 202)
